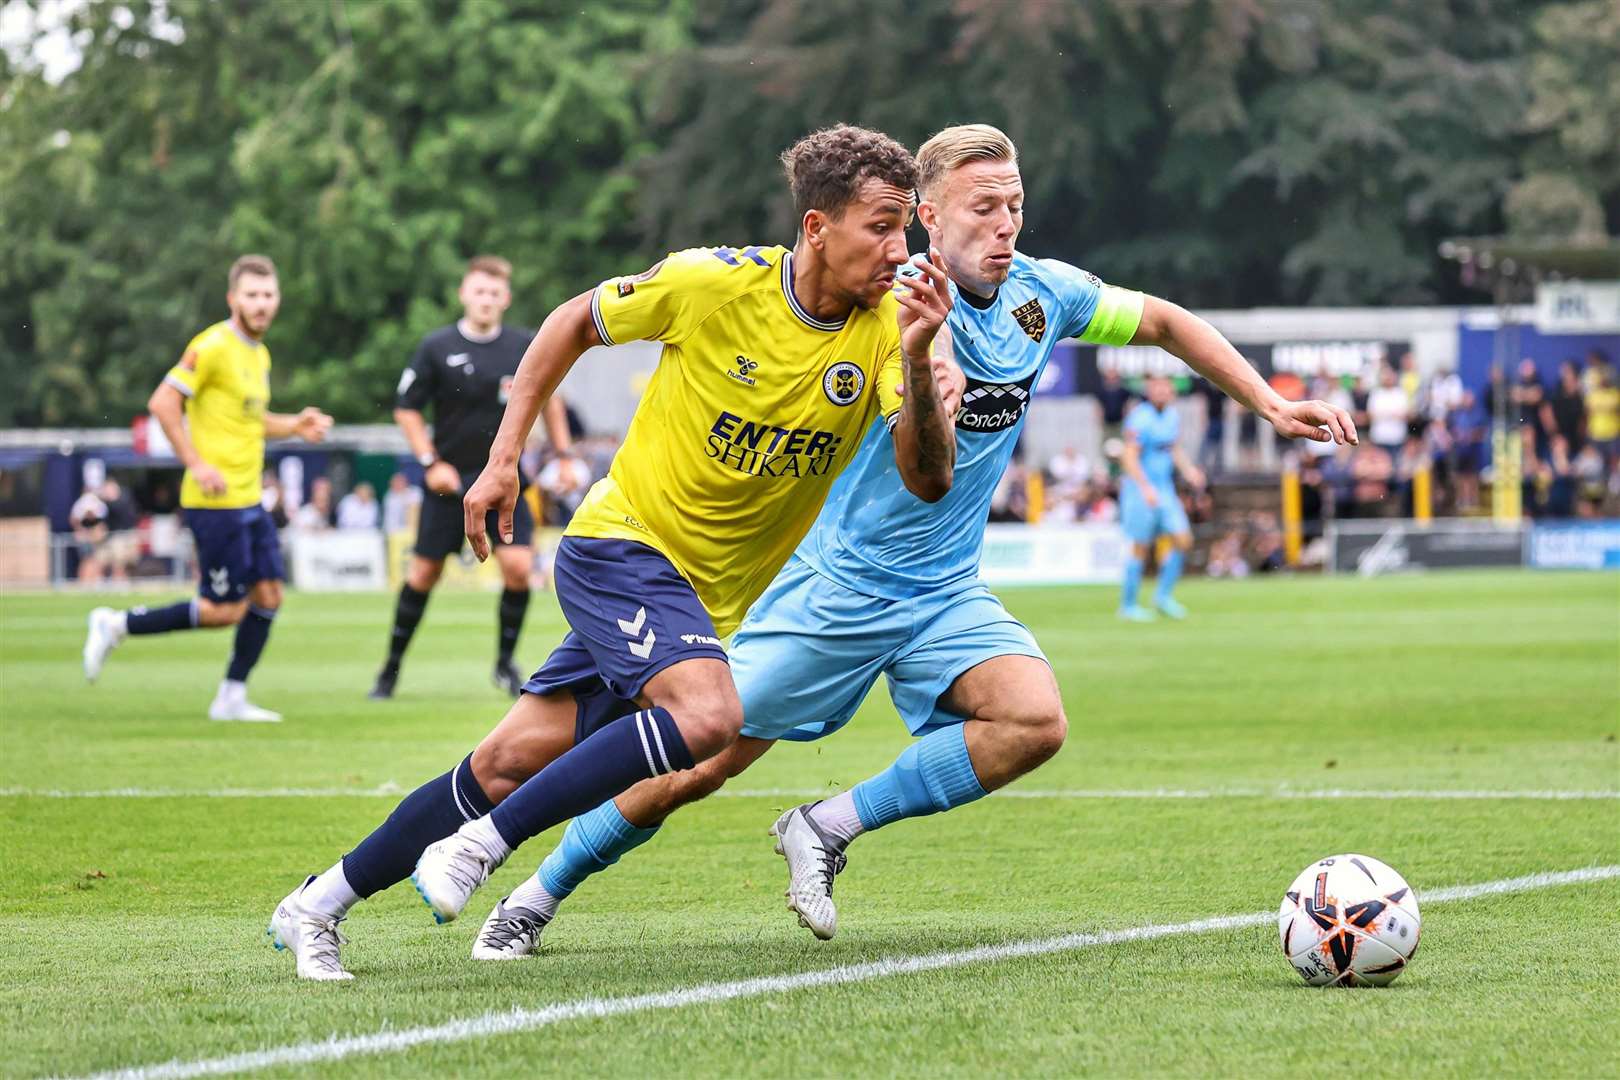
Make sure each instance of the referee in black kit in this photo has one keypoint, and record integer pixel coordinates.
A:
(464, 371)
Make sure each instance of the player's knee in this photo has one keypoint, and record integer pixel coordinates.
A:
(1040, 729)
(213, 614)
(424, 574)
(709, 722)
(267, 595)
(501, 765)
(1045, 736)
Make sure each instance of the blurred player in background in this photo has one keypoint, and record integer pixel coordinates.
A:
(213, 406)
(1148, 504)
(887, 584)
(775, 363)
(464, 372)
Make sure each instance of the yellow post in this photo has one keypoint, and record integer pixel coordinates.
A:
(1035, 493)
(1423, 494)
(1293, 514)
(1507, 469)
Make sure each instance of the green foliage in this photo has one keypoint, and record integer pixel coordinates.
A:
(369, 148)
(1276, 151)
(1271, 151)
(1573, 165)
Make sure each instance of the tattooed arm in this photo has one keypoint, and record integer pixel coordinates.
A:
(924, 436)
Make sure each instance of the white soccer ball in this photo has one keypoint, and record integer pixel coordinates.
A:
(1349, 920)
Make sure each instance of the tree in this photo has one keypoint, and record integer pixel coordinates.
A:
(1268, 151)
(370, 149)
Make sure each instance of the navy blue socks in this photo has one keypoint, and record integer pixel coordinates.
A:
(425, 816)
(630, 749)
(144, 620)
(251, 634)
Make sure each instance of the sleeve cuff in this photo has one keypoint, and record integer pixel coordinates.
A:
(180, 386)
(596, 317)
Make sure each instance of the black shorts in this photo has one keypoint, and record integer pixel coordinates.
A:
(441, 529)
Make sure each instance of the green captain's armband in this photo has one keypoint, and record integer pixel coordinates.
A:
(1118, 314)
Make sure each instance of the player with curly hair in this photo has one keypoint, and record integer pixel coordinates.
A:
(775, 364)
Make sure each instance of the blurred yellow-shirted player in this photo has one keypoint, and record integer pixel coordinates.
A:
(213, 407)
(224, 375)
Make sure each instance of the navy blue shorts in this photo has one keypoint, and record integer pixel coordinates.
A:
(631, 615)
(236, 549)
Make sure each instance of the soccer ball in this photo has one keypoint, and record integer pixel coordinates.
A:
(1349, 920)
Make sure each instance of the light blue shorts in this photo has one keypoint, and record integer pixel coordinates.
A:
(810, 649)
(1142, 522)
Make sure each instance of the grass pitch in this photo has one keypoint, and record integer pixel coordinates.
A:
(1207, 763)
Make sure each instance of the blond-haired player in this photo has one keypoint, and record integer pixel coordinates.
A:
(886, 584)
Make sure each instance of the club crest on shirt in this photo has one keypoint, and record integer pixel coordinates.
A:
(843, 382)
(627, 286)
(1031, 319)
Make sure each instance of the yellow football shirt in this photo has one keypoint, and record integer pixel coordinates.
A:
(1603, 413)
(225, 377)
(753, 410)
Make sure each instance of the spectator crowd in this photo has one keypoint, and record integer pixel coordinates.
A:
(1411, 425)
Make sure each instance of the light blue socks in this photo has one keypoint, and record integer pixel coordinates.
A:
(1168, 573)
(932, 774)
(593, 842)
(1133, 582)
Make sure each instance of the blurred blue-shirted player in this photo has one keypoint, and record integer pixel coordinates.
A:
(887, 584)
(1148, 504)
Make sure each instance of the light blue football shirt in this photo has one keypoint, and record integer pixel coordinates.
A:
(1156, 434)
(874, 536)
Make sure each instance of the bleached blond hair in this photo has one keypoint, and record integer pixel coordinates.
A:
(960, 145)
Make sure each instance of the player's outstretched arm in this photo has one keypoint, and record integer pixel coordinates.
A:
(567, 332)
(1201, 347)
(308, 423)
(924, 437)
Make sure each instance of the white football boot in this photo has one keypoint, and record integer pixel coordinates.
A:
(313, 939)
(449, 872)
(509, 933)
(813, 859)
(231, 703)
(107, 631)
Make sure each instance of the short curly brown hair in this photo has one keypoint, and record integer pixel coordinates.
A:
(826, 168)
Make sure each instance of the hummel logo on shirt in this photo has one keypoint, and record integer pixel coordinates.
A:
(745, 369)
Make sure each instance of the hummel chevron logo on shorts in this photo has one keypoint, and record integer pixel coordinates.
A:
(639, 646)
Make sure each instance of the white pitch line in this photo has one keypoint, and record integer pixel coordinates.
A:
(519, 1020)
(391, 790)
(1219, 793)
